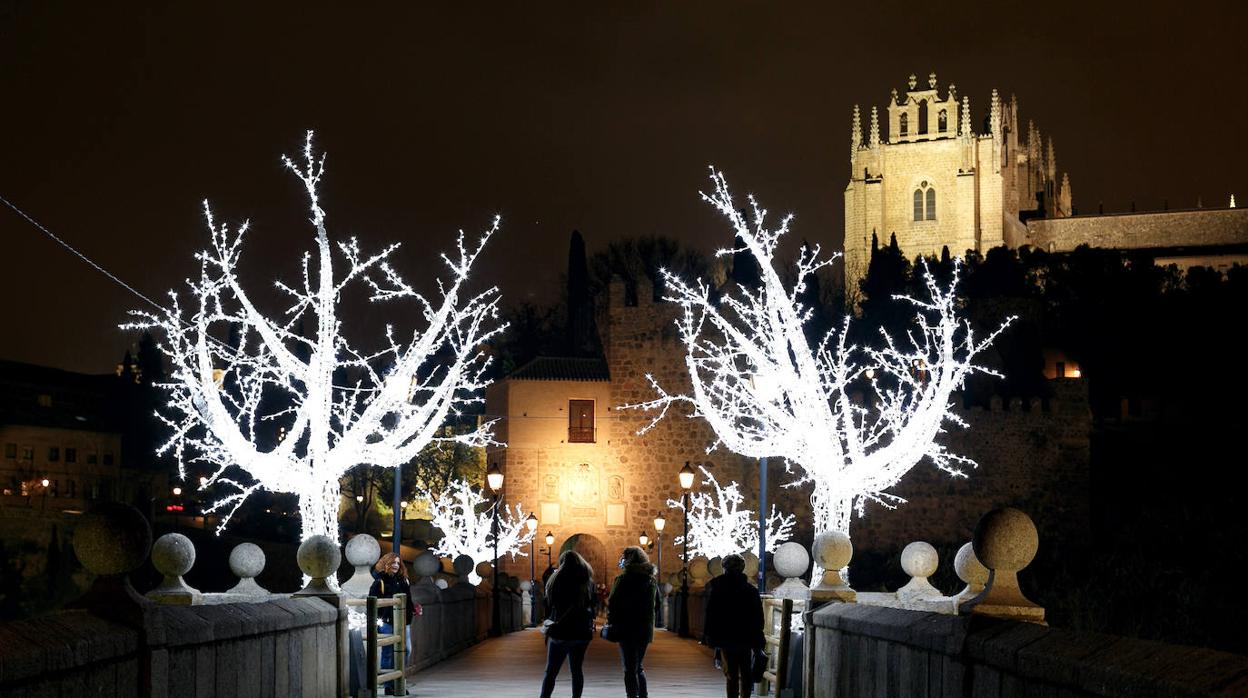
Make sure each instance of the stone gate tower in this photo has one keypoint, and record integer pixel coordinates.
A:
(934, 182)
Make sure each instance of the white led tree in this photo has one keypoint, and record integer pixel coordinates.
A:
(853, 420)
(236, 371)
(466, 518)
(718, 526)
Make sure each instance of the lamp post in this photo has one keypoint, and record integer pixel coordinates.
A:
(550, 547)
(659, 523)
(531, 524)
(686, 483)
(643, 539)
(398, 510)
(494, 478)
(767, 388)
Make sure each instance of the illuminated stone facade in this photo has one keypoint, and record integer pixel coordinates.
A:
(933, 181)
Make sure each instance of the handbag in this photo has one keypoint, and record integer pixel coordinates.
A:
(759, 666)
(608, 633)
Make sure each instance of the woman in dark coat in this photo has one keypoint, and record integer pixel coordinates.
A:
(570, 599)
(390, 578)
(734, 624)
(631, 609)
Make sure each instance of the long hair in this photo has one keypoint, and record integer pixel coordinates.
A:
(635, 556)
(383, 565)
(573, 572)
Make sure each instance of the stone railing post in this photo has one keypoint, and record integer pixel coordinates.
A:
(173, 555)
(318, 558)
(1005, 542)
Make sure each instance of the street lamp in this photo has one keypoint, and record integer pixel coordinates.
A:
(550, 547)
(177, 491)
(643, 539)
(659, 523)
(531, 524)
(494, 477)
(686, 483)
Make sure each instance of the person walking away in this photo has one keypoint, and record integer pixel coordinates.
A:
(631, 609)
(734, 624)
(390, 578)
(570, 598)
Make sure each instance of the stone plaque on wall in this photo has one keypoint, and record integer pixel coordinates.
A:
(617, 514)
(550, 487)
(615, 488)
(581, 488)
(549, 513)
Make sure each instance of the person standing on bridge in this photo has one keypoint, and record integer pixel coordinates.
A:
(631, 609)
(734, 624)
(570, 598)
(390, 578)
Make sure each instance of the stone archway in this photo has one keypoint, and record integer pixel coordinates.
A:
(595, 553)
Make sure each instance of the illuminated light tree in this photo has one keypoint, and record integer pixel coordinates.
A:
(223, 394)
(719, 527)
(853, 420)
(466, 518)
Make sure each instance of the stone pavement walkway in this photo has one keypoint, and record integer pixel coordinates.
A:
(511, 667)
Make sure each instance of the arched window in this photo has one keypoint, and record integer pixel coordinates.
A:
(905, 125)
(942, 121)
(923, 116)
(918, 204)
(931, 204)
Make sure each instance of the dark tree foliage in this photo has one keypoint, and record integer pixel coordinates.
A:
(639, 259)
(532, 331)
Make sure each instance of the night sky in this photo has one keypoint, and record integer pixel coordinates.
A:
(116, 120)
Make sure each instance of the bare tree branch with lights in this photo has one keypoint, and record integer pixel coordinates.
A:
(466, 518)
(853, 420)
(718, 526)
(225, 394)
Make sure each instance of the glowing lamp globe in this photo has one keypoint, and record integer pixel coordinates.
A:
(531, 523)
(550, 538)
(659, 523)
(686, 477)
(494, 477)
(643, 538)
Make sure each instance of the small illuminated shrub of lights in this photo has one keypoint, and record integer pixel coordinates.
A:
(719, 527)
(766, 391)
(466, 518)
(237, 372)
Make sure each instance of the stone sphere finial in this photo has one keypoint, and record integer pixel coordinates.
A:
(699, 570)
(115, 539)
(968, 567)
(426, 565)
(920, 559)
(526, 586)
(247, 560)
(791, 560)
(363, 551)
(715, 566)
(462, 564)
(1006, 539)
(1005, 542)
(751, 565)
(485, 570)
(173, 555)
(833, 550)
(319, 558)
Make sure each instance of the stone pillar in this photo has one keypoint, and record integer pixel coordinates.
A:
(319, 558)
(173, 555)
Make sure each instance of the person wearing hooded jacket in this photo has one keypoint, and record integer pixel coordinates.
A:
(734, 624)
(632, 606)
(570, 600)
